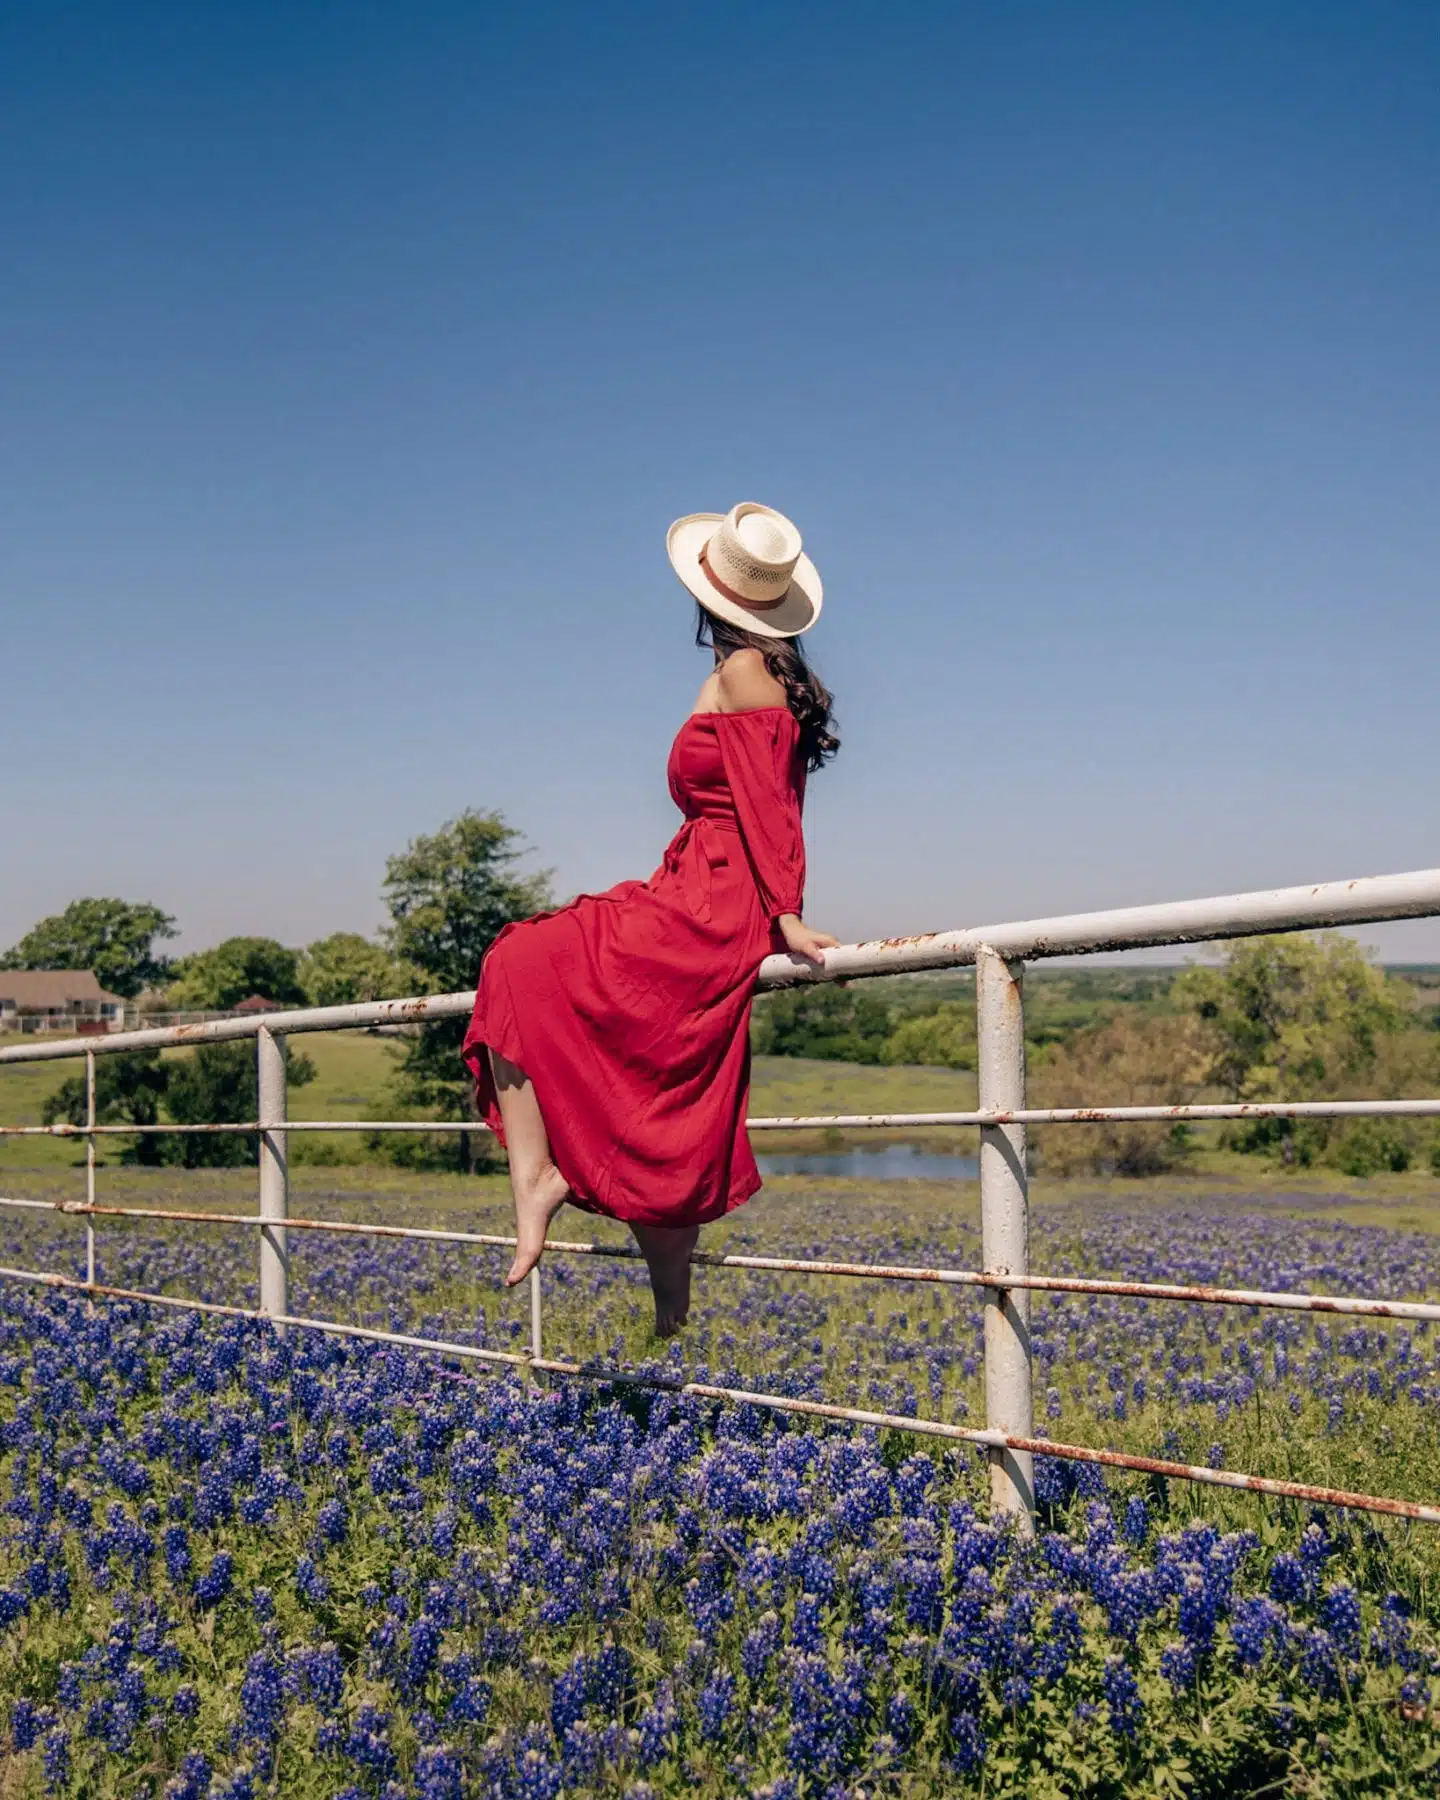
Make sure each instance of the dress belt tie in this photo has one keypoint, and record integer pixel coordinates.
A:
(694, 870)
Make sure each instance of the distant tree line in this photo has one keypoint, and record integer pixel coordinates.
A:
(1293, 1017)
(447, 896)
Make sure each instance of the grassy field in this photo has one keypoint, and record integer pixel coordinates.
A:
(354, 1073)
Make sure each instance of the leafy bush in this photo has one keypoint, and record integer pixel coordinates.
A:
(219, 1084)
(828, 1020)
(1369, 1146)
(129, 1090)
(942, 1039)
(1135, 1060)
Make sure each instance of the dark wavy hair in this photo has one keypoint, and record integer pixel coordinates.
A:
(805, 694)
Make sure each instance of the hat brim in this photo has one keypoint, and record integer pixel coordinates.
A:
(795, 614)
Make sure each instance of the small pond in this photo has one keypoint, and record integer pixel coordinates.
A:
(888, 1162)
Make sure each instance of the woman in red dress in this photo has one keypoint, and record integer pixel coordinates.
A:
(610, 1039)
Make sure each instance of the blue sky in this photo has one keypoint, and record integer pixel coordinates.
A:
(354, 359)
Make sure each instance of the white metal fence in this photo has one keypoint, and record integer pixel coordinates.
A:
(998, 954)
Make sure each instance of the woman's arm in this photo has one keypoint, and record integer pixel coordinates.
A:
(804, 940)
(746, 685)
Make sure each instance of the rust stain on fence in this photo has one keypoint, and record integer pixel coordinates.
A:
(1258, 1484)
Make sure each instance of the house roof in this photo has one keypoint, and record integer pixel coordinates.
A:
(257, 1003)
(53, 987)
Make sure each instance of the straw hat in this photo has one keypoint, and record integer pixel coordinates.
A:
(746, 566)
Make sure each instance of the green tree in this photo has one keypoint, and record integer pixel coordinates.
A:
(942, 1039)
(217, 979)
(219, 1084)
(115, 938)
(449, 895)
(825, 1020)
(128, 1091)
(1133, 1059)
(1293, 1017)
(345, 968)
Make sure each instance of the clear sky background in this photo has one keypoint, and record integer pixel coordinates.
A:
(354, 359)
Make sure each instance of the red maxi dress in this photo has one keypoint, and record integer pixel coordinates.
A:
(630, 1010)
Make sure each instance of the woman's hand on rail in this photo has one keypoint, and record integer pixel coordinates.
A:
(804, 940)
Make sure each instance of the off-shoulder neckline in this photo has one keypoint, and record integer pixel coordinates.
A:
(743, 713)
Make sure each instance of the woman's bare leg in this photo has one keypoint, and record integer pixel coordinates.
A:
(537, 1185)
(667, 1255)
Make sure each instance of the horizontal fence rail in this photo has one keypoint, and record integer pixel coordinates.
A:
(998, 954)
(1368, 900)
(785, 1265)
(1034, 1115)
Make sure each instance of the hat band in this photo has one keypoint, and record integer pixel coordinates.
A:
(739, 599)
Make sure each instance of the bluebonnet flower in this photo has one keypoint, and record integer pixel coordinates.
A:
(422, 1650)
(805, 1628)
(609, 1677)
(310, 1584)
(241, 1786)
(1137, 1520)
(1315, 1549)
(1319, 1665)
(262, 1604)
(567, 1697)
(1255, 1624)
(1122, 1696)
(968, 1741)
(1177, 1665)
(185, 1702)
(193, 1779)
(1063, 1642)
(212, 1587)
(439, 1774)
(177, 1554)
(1340, 1615)
(1197, 1610)
(581, 1752)
(759, 1646)
(319, 1673)
(1390, 1639)
(1289, 1579)
(332, 1521)
(923, 1602)
(56, 1758)
(716, 1699)
(369, 1742)
(535, 1777)
(656, 1725)
(26, 1723)
(900, 1716)
(262, 1698)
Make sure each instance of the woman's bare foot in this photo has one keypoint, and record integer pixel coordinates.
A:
(537, 1200)
(667, 1256)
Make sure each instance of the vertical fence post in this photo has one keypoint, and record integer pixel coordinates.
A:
(90, 1168)
(274, 1174)
(1005, 1231)
(535, 1349)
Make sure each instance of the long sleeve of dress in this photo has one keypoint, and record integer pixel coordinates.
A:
(766, 775)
